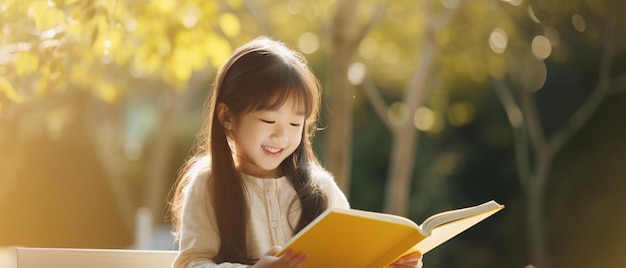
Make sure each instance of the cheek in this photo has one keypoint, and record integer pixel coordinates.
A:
(247, 134)
(296, 137)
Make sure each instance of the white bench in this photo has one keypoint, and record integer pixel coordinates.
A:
(24, 257)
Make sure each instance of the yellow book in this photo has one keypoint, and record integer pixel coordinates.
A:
(358, 238)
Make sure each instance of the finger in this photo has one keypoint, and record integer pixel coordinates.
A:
(287, 256)
(410, 264)
(298, 260)
(411, 260)
(273, 251)
(398, 265)
(415, 256)
(293, 259)
(405, 265)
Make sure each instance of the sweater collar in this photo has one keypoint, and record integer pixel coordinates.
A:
(268, 185)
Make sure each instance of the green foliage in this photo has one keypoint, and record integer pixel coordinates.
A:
(55, 47)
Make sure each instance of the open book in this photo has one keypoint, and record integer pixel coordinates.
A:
(358, 238)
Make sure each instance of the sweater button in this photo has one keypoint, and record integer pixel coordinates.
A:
(273, 224)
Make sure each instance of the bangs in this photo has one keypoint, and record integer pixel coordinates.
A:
(274, 86)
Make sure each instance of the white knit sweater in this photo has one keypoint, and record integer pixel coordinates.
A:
(270, 219)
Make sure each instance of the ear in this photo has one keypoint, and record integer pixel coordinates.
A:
(224, 115)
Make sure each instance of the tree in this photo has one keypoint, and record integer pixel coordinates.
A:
(346, 32)
(536, 148)
(404, 132)
(100, 53)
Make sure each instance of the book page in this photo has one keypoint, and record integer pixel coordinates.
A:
(445, 232)
(452, 215)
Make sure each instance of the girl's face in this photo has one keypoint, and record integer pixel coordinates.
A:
(264, 138)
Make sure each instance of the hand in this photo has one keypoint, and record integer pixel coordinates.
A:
(410, 260)
(289, 259)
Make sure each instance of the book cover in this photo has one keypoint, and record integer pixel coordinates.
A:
(358, 238)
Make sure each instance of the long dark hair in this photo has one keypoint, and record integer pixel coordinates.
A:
(259, 75)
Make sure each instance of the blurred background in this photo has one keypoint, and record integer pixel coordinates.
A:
(428, 105)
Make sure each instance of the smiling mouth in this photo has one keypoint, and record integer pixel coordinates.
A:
(272, 150)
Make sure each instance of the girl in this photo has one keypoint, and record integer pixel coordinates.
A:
(255, 181)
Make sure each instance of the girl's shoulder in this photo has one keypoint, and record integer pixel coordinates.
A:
(320, 176)
(325, 182)
(198, 173)
(318, 172)
(201, 165)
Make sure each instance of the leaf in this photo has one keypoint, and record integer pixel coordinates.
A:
(46, 15)
(235, 4)
(80, 73)
(108, 42)
(9, 3)
(42, 87)
(229, 23)
(146, 61)
(179, 68)
(164, 6)
(7, 90)
(75, 31)
(188, 51)
(123, 54)
(107, 92)
(176, 73)
(26, 63)
(94, 34)
(70, 2)
(218, 50)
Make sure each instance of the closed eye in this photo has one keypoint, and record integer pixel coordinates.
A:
(268, 121)
(296, 124)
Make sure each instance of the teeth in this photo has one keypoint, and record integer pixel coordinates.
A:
(271, 149)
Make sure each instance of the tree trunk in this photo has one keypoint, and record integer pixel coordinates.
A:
(401, 162)
(404, 148)
(347, 34)
(339, 144)
(536, 224)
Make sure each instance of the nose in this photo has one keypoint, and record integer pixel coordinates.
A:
(279, 135)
